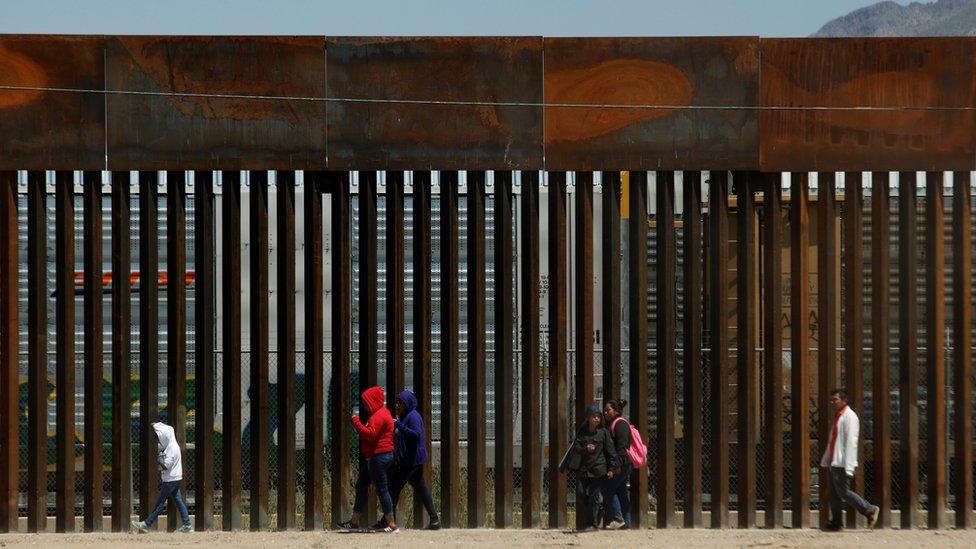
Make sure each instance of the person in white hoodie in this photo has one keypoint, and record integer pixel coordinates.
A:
(171, 466)
(840, 459)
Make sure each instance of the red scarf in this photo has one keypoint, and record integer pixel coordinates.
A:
(834, 430)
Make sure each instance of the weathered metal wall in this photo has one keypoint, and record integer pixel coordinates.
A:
(743, 109)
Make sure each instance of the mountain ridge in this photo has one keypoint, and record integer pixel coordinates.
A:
(889, 18)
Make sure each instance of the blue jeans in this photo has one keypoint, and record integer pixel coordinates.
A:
(166, 491)
(375, 473)
(618, 494)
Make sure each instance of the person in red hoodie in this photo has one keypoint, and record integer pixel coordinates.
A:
(376, 447)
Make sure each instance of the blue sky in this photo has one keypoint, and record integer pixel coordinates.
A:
(769, 18)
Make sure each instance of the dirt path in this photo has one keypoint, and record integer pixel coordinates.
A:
(680, 539)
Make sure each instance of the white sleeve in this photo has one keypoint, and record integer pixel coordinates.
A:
(850, 444)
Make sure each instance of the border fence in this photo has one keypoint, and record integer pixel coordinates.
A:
(720, 230)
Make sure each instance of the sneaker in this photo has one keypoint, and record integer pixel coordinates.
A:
(185, 528)
(589, 529)
(615, 525)
(389, 530)
(141, 526)
(434, 525)
(348, 526)
(873, 516)
(832, 527)
(380, 524)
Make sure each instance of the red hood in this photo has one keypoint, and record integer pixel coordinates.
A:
(373, 398)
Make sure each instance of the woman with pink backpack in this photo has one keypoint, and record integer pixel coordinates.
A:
(631, 453)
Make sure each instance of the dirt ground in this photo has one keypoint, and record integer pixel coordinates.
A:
(680, 539)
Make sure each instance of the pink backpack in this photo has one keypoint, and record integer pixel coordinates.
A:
(637, 451)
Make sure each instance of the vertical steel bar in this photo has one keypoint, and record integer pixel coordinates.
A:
(422, 317)
(450, 363)
(935, 350)
(205, 255)
(37, 359)
(287, 397)
(908, 366)
(505, 351)
(531, 367)
(610, 277)
(395, 272)
(368, 304)
(476, 343)
(148, 339)
(477, 351)
(828, 308)
(854, 324)
(692, 337)
(65, 386)
(638, 341)
(962, 322)
(176, 314)
(583, 296)
(9, 361)
(800, 349)
(341, 404)
(314, 347)
(121, 351)
(718, 202)
(558, 347)
(746, 340)
(260, 398)
(880, 324)
(93, 350)
(773, 347)
(231, 477)
(667, 320)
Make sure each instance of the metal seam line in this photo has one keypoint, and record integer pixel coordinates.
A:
(486, 103)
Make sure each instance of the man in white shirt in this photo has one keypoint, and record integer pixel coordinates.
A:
(840, 459)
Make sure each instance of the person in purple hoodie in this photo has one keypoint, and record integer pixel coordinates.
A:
(410, 454)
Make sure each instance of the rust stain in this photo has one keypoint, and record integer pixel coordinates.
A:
(617, 82)
(20, 70)
(174, 71)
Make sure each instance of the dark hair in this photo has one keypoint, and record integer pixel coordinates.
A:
(617, 405)
(841, 393)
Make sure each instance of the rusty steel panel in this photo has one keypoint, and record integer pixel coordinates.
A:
(651, 103)
(862, 104)
(435, 103)
(215, 102)
(50, 123)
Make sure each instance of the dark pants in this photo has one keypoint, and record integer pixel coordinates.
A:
(166, 491)
(841, 495)
(618, 494)
(592, 491)
(414, 476)
(374, 472)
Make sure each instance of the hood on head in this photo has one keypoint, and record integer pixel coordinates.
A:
(164, 432)
(592, 409)
(373, 398)
(408, 399)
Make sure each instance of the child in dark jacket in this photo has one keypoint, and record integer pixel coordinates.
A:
(593, 458)
(376, 447)
(411, 455)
